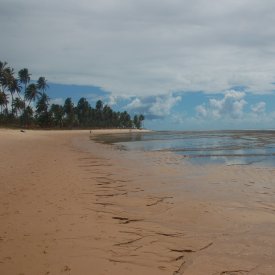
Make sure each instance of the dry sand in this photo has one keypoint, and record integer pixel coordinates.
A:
(71, 206)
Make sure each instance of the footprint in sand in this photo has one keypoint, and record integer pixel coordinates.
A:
(66, 269)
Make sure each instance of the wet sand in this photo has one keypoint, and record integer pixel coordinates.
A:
(72, 206)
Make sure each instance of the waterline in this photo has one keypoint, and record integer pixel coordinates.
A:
(211, 147)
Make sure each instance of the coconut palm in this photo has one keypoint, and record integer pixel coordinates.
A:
(58, 114)
(141, 119)
(69, 111)
(7, 76)
(42, 103)
(18, 105)
(3, 66)
(83, 111)
(99, 105)
(27, 116)
(32, 93)
(43, 116)
(136, 122)
(6, 80)
(14, 87)
(125, 120)
(107, 115)
(42, 84)
(24, 78)
(3, 101)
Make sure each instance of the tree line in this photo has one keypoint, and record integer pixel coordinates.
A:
(25, 103)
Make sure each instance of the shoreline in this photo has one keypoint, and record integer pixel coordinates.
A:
(73, 206)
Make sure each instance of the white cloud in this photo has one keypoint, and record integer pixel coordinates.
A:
(258, 108)
(135, 104)
(163, 105)
(153, 107)
(59, 101)
(231, 105)
(145, 47)
(112, 100)
(201, 111)
(229, 113)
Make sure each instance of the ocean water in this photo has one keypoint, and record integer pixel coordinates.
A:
(227, 147)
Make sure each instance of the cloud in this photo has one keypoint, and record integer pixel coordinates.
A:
(229, 112)
(153, 107)
(59, 101)
(145, 47)
(136, 104)
(163, 105)
(112, 100)
(258, 108)
(231, 105)
(201, 111)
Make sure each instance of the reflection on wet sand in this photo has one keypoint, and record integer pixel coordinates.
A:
(211, 219)
(74, 206)
(229, 147)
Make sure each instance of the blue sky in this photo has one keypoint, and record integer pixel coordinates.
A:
(202, 64)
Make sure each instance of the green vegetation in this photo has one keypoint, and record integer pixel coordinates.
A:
(33, 109)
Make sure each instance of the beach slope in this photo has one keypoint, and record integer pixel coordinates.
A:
(69, 205)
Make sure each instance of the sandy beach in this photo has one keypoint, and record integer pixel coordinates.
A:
(69, 205)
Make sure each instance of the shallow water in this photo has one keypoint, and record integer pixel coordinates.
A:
(227, 147)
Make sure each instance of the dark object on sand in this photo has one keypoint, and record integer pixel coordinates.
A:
(22, 131)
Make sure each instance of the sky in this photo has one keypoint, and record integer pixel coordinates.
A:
(186, 65)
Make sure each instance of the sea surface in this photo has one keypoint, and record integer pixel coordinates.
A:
(204, 147)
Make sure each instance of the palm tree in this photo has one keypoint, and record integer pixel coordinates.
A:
(107, 115)
(125, 120)
(58, 114)
(69, 111)
(18, 105)
(42, 84)
(136, 122)
(6, 80)
(7, 76)
(32, 93)
(141, 118)
(24, 78)
(43, 116)
(99, 105)
(27, 116)
(42, 103)
(83, 111)
(99, 109)
(3, 66)
(3, 101)
(14, 87)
